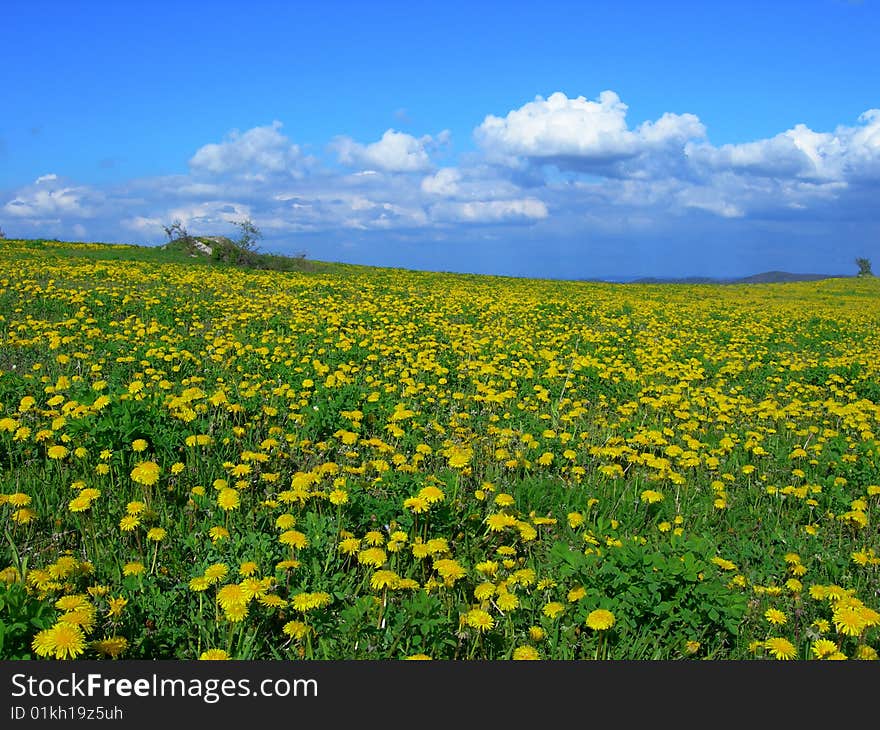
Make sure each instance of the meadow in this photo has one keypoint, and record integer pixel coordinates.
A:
(201, 461)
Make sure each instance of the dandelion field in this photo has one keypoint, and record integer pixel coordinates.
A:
(200, 461)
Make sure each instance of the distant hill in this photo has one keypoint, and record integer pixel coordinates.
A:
(767, 277)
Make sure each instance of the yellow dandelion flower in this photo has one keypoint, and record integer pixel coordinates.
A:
(416, 505)
(525, 653)
(293, 538)
(338, 497)
(135, 508)
(97, 591)
(18, 499)
(241, 470)
(848, 620)
(72, 602)
(775, 617)
(111, 646)
(255, 587)
(500, 521)
(271, 600)
(479, 619)
(145, 473)
(133, 568)
(600, 619)
(349, 546)
(459, 457)
(62, 641)
(214, 655)
(229, 594)
(235, 612)
(115, 606)
(374, 556)
(484, 591)
(248, 568)
(575, 520)
(437, 545)
(10, 575)
(780, 648)
(450, 570)
(24, 515)
(57, 452)
(216, 572)
(63, 567)
(526, 531)
(228, 499)
(823, 648)
(723, 563)
(507, 602)
(199, 584)
(384, 579)
(296, 630)
(524, 577)
(83, 617)
(432, 494)
(80, 503)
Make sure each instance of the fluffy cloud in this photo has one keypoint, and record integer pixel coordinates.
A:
(669, 164)
(394, 152)
(443, 182)
(489, 211)
(579, 131)
(51, 198)
(255, 153)
(847, 153)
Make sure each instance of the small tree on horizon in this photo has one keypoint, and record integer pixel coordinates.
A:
(176, 232)
(864, 267)
(250, 234)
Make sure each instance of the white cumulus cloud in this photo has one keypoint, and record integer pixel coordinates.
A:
(50, 198)
(394, 152)
(443, 182)
(580, 130)
(801, 153)
(489, 211)
(254, 153)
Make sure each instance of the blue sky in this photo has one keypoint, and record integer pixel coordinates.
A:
(552, 139)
